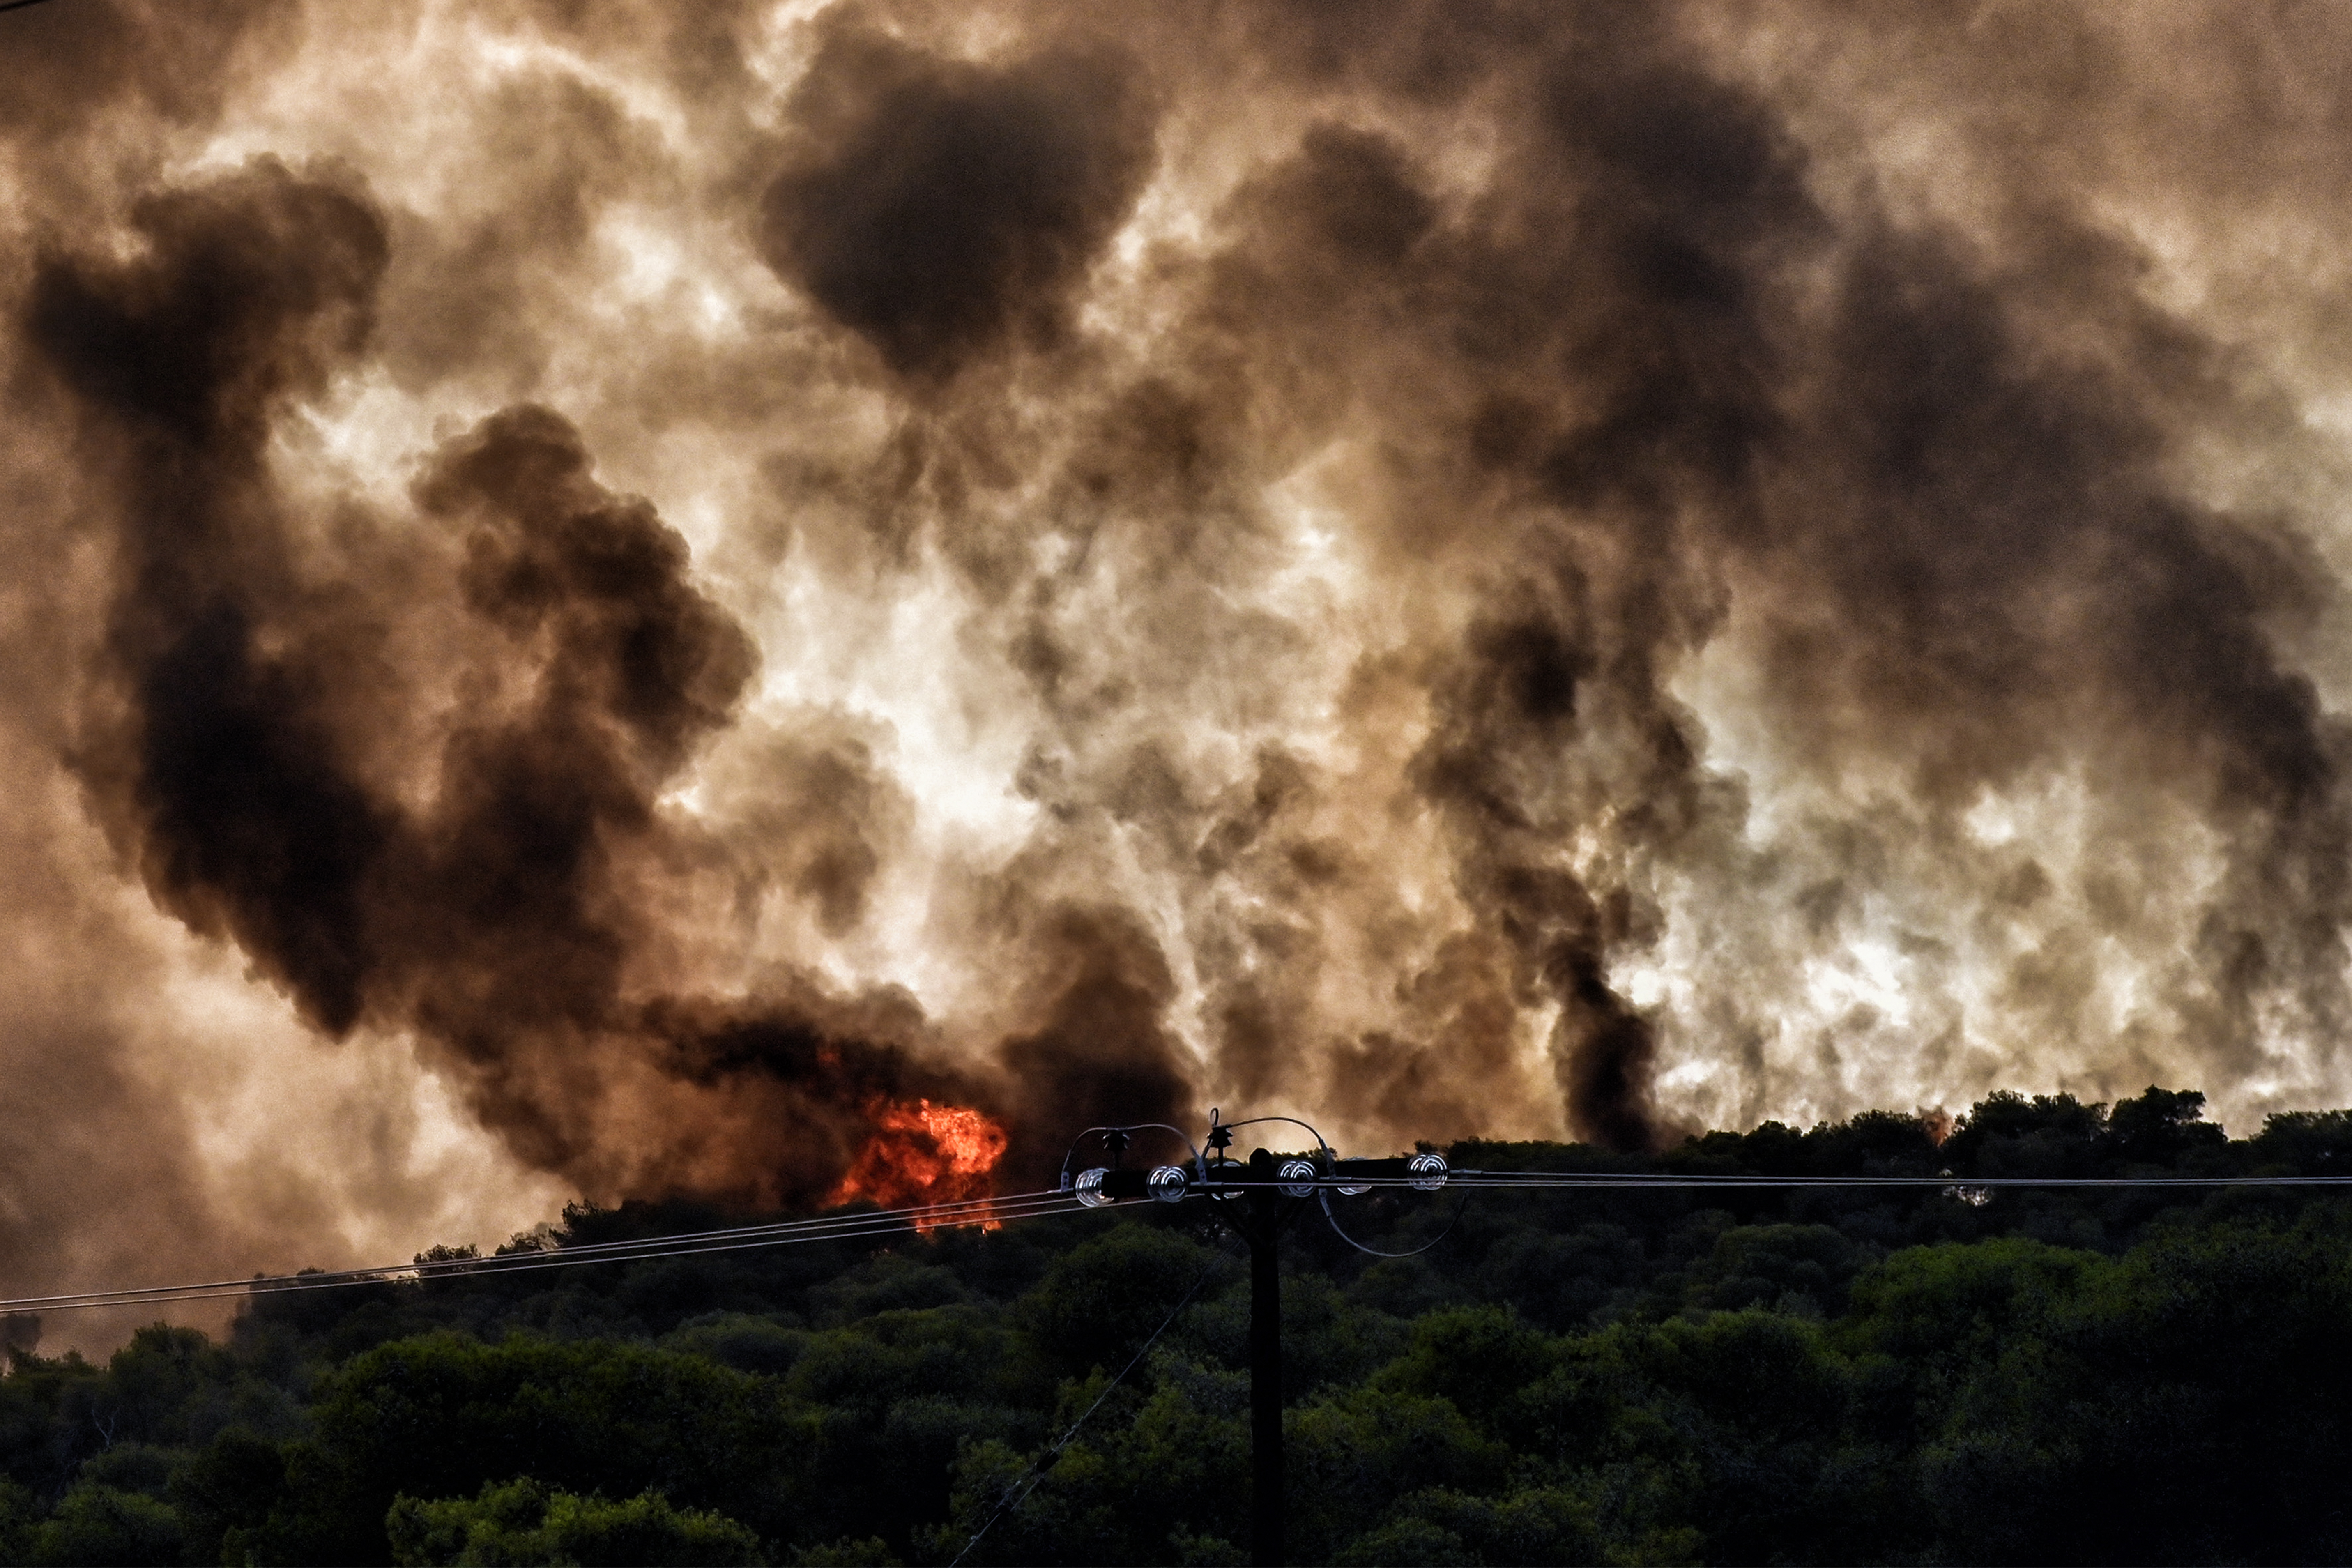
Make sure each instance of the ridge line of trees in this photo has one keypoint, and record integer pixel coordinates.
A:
(1812, 1375)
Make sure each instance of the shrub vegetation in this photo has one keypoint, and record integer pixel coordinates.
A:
(1601, 1375)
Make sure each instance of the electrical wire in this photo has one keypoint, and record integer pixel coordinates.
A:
(921, 1216)
(1038, 1466)
(1485, 1179)
(648, 1247)
(1472, 1181)
(974, 1212)
(1482, 1180)
(270, 1286)
(864, 1224)
(1340, 1231)
(1256, 1121)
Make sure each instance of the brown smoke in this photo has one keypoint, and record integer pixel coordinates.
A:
(255, 727)
(697, 572)
(941, 209)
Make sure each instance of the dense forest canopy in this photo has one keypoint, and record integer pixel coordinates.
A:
(1678, 1374)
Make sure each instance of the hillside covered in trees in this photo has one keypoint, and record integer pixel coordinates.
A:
(1822, 1375)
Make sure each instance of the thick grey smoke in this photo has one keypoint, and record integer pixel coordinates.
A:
(1485, 568)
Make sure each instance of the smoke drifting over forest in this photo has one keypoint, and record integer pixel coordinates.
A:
(604, 591)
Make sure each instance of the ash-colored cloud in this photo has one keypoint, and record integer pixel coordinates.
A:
(662, 577)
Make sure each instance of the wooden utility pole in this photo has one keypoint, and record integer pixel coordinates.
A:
(1257, 1200)
(1261, 1226)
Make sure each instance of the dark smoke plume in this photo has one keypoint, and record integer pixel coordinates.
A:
(941, 209)
(501, 916)
(1492, 568)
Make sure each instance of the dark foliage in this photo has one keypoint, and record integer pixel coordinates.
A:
(1935, 1373)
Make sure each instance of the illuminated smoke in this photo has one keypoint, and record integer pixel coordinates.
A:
(708, 574)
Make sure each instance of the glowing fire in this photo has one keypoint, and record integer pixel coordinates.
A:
(924, 1153)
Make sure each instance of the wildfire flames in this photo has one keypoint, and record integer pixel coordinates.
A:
(924, 1153)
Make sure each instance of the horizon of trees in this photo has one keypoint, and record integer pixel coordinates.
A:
(1676, 1376)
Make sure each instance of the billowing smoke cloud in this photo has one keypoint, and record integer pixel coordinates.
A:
(943, 209)
(256, 728)
(1491, 568)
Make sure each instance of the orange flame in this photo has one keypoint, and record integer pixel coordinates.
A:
(924, 1153)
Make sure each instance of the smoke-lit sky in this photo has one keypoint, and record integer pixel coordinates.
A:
(603, 587)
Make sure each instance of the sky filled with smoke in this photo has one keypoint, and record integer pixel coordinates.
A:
(604, 590)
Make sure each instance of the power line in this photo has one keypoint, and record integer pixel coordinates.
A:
(1351, 1182)
(1016, 1494)
(1480, 1181)
(838, 1227)
(1332, 1180)
(735, 1239)
(922, 1215)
